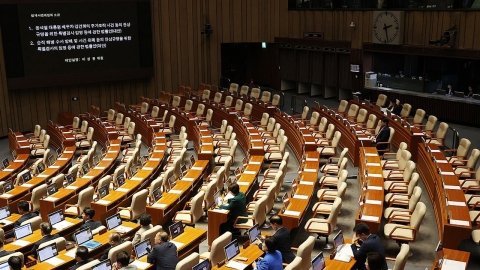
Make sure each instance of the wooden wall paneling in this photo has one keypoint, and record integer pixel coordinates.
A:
(283, 19)
(344, 74)
(309, 25)
(254, 21)
(157, 46)
(166, 54)
(445, 21)
(340, 31)
(174, 38)
(182, 42)
(330, 69)
(469, 29)
(302, 65)
(328, 22)
(316, 64)
(346, 25)
(294, 25)
(456, 19)
(189, 46)
(476, 32)
(5, 121)
(213, 42)
(248, 20)
(236, 7)
(317, 21)
(198, 52)
(356, 31)
(226, 24)
(367, 26)
(416, 30)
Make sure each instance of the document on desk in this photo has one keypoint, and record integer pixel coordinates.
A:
(159, 205)
(140, 265)
(452, 187)
(456, 203)
(50, 199)
(220, 210)
(8, 170)
(451, 264)
(6, 222)
(6, 195)
(459, 222)
(124, 190)
(228, 196)
(373, 202)
(343, 257)
(369, 218)
(104, 202)
(374, 188)
(371, 154)
(71, 253)
(55, 261)
(447, 173)
(291, 213)
(175, 191)
(178, 244)
(373, 164)
(21, 243)
(236, 265)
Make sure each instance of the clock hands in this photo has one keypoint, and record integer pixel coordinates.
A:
(385, 27)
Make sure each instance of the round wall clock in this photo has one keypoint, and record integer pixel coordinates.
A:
(388, 27)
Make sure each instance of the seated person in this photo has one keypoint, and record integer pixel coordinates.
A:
(114, 240)
(45, 230)
(394, 107)
(273, 257)
(282, 239)
(123, 261)
(383, 135)
(15, 263)
(237, 206)
(365, 242)
(470, 92)
(81, 257)
(88, 222)
(145, 224)
(3, 252)
(24, 210)
(164, 254)
(374, 261)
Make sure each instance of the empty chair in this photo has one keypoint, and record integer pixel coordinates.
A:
(259, 216)
(303, 115)
(352, 112)
(465, 171)
(325, 227)
(38, 139)
(405, 112)
(333, 163)
(401, 191)
(110, 116)
(138, 206)
(188, 262)
(37, 193)
(429, 126)
(233, 88)
(200, 110)
(406, 233)
(402, 210)
(190, 217)
(304, 251)
(39, 149)
(439, 138)
(238, 105)
(418, 118)
(381, 100)
(401, 259)
(342, 108)
(266, 96)
(278, 153)
(118, 120)
(460, 153)
(81, 133)
(175, 103)
(36, 130)
(188, 106)
(85, 197)
(217, 98)
(330, 150)
(295, 264)
(34, 222)
(390, 159)
(247, 111)
(255, 93)
(244, 90)
(206, 94)
(170, 128)
(276, 100)
(228, 102)
(361, 117)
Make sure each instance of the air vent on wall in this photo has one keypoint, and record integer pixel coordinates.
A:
(312, 35)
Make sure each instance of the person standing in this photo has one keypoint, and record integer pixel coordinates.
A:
(383, 135)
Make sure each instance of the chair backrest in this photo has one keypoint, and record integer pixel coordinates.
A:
(197, 209)
(150, 233)
(402, 146)
(217, 98)
(431, 122)
(405, 156)
(238, 105)
(266, 96)
(342, 188)
(59, 241)
(295, 264)
(119, 119)
(323, 124)
(37, 129)
(210, 193)
(74, 169)
(220, 176)
(343, 153)
(35, 168)
(46, 142)
(217, 253)
(381, 100)
(419, 116)
(372, 120)
(188, 262)
(126, 124)
(333, 217)
(244, 90)
(305, 112)
(473, 158)
(34, 222)
(171, 123)
(413, 183)
(125, 246)
(37, 194)
(139, 203)
(314, 118)
(18, 254)
(89, 134)
(442, 131)
(405, 112)
(401, 259)
(84, 126)
(58, 180)
(75, 123)
(271, 124)
(305, 252)
(176, 101)
(200, 108)
(343, 106)
(353, 110)
(206, 94)
(106, 180)
(463, 147)
(276, 100)
(336, 138)
(409, 169)
(85, 197)
(255, 93)
(270, 202)
(392, 132)
(343, 175)
(188, 105)
(155, 111)
(234, 148)
(417, 216)
(415, 198)
(264, 119)
(233, 88)
(248, 109)
(362, 116)
(330, 131)
(228, 101)
(144, 108)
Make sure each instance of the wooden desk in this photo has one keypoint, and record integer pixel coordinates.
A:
(102, 132)
(144, 124)
(252, 252)
(18, 142)
(454, 255)
(373, 196)
(14, 167)
(339, 265)
(451, 219)
(60, 135)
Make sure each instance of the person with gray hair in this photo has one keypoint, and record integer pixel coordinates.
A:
(45, 230)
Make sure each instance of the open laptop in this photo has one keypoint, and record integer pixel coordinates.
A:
(5, 266)
(115, 222)
(23, 231)
(52, 189)
(5, 213)
(205, 265)
(344, 252)
(57, 219)
(85, 238)
(85, 168)
(176, 229)
(142, 248)
(254, 233)
(26, 177)
(103, 265)
(231, 250)
(51, 160)
(5, 163)
(156, 195)
(120, 180)
(47, 252)
(103, 191)
(318, 262)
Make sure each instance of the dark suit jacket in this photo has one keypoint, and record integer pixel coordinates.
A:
(44, 239)
(91, 224)
(284, 245)
(17, 223)
(372, 244)
(105, 254)
(78, 264)
(5, 253)
(383, 136)
(238, 207)
(164, 256)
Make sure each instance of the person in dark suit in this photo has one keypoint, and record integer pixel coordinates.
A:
(15, 263)
(365, 242)
(81, 257)
(24, 210)
(164, 254)
(114, 240)
(88, 222)
(374, 261)
(383, 135)
(282, 238)
(3, 252)
(394, 107)
(45, 230)
(237, 206)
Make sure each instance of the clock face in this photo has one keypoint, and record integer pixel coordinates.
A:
(387, 28)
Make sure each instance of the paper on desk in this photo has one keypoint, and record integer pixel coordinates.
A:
(451, 264)
(301, 197)
(371, 154)
(27, 185)
(55, 261)
(178, 244)
(42, 175)
(88, 176)
(447, 173)
(196, 168)
(307, 183)
(21, 243)
(68, 152)
(6, 195)
(6, 222)
(188, 179)
(159, 205)
(140, 265)
(369, 218)
(99, 168)
(373, 164)
(8, 170)
(309, 170)
(451, 187)
(459, 222)
(291, 213)
(250, 172)
(373, 202)
(71, 253)
(104, 202)
(375, 175)
(62, 158)
(19, 160)
(435, 151)
(71, 187)
(136, 179)
(456, 203)
(51, 199)
(343, 257)
(254, 162)
(311, 159)
(243, 183)
(374, 188)
(175, 191)
(147, 168)
(122, 189)
(108, 159)
(442, 161)
(220, 210)
(154, 159)
(236, 265)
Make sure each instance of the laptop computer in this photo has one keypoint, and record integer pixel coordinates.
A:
(142, 248)
(115, 222)
(254, 233)
(205, 265)
(120, 180)
(52, 189)
(318, 263)
(218, 198)
(26, 176)
(5, 212)
(176, 229)
(5, 163)
(57, 219)
(23, 231)
(4, 266)
(47, 252)
(156, 195)
(85, 168)
(103, 265)
(231, 250)
(84, 238)
(51, 160)
(103, 191)
(8, 185)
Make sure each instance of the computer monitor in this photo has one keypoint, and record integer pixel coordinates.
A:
(96, 159)
(205, 265)
(218, 197)
(85, 168)
(47, 252)
(338, 239)
(40, 167)
(52, 189)
(142, 160)
(51, 160)
(56, 217)
(8, 185)
(156, 194)
(4, 212)
(26, 176)
(5, 163)
(83, 236)
(121, 180)
(176, 229)
(103, 265)
(5, 266)
(114, 221)
(103, 191)
(142, 248)
(171, 182)
(318, 262)
(231, 250)
(254, 233)
(70, 178)
(59, 152)
(23, 231)
(184, 169)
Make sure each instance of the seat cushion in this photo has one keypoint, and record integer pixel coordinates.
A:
(184, 216)
(71, 211)
(323, 208)
(458, 171)
(393, 175)
(473, 200)
(473, 215)
(326, 151)
(401, 186)
(394, 196)
(125, 214)
(273, 156)
(313, 225)
(399, 233)
(397, 211)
